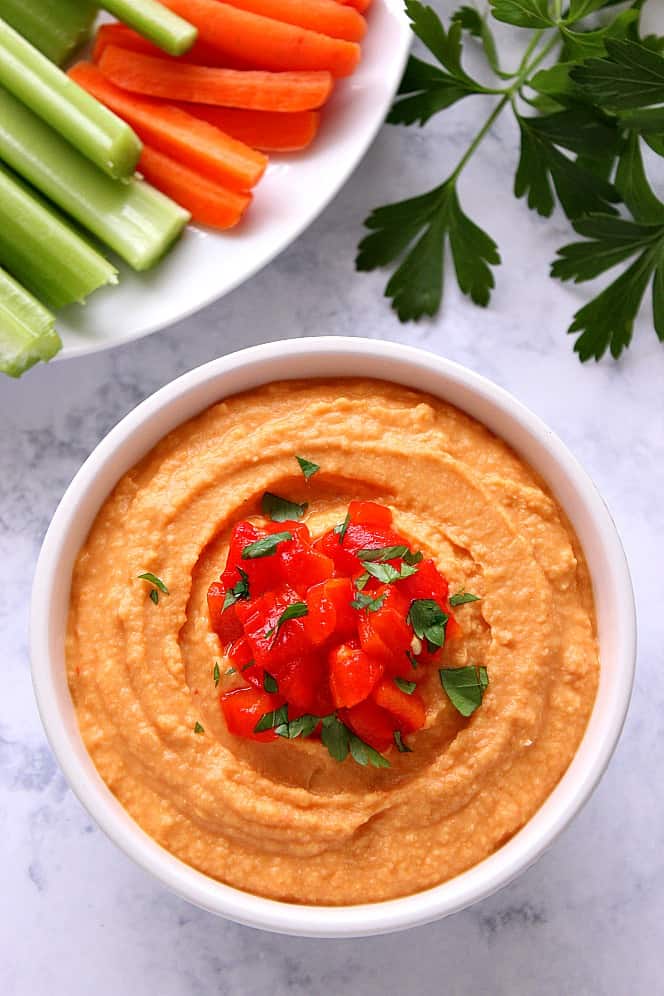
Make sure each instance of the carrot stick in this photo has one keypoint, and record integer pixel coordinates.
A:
(208, 202)
(325, 16)
(172, 131)
(265, 130)
(360, 5)
(124, 37)
(255, 90)
(266, 43)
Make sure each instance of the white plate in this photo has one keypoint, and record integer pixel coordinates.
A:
(205, 265)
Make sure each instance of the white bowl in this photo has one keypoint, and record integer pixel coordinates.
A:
(138, 432)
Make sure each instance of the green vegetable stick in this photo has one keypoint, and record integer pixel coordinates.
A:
(56, 27)
(90, 127)
(42, 252)
(132, 218)
(27, 332)
(156, 22)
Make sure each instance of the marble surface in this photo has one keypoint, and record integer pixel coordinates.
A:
(76, 916)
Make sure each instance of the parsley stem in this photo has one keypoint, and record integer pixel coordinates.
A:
(486, 127)
(524, 71)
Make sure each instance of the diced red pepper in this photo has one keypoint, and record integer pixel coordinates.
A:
(335, 657)
(369, 513)
(371, 723)
(242, 709)
(352, 675)
(409, 710)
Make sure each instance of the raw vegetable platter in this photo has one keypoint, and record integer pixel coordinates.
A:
(205, 265)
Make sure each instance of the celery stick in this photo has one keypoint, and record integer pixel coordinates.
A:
(27, 332)
(133, 218)
(90, 127)
(42, 252)
(56, 27)
(156, 22)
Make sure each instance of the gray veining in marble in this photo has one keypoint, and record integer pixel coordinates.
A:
(76, 916)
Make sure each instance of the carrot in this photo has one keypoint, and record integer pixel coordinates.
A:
(325, 16)
(208, 202)
(253, 90)
(124, 37)
(266, 43)
(172, 131)
(265, 130)
(360, 5)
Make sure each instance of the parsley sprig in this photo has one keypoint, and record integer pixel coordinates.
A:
(581, 119)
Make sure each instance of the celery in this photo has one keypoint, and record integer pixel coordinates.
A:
(27, 333)
(90, 127)
(43, 252)
(133, 218)
(156, 22)
(56, 27)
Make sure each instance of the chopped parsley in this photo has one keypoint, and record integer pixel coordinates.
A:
(429, 622)
(280, 509)
(406, 686)
(270, 684)
(383, 553)
(307, 467)
(387, 574)
(465, 687)
(157, 583)
(341, 529)
(362, 601)
(198, 728)
(239, 590)
(294, 611)
(265, 547)
(462, 598)
(401, 746)
(271, 720)
(215, 674)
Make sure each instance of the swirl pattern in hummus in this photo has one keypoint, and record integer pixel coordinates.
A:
(284, 819)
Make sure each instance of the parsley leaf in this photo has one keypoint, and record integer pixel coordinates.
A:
(387, 574)
(303, 726)
(542, 163)
(465, 687)
(198, 728)
(158, 585)
(401, 746)
(342, 528)
(406, 686)
(265, 547)
(428, 88)
(382, 553)
(294, 611)
(523, 13)
(368, 602)
(307, 467)
(363, 754)
(428, 221)
(607, 322)
(336, 737)
(270, 683)
(216, 675)
(238, 591)
(462, 598)
(429, 622)
(631, 76)
(280, 509)
(476, 25)
(270, 720)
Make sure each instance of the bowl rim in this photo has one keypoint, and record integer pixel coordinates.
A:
(567, 798)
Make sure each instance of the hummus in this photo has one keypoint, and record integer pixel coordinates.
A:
(284, 819)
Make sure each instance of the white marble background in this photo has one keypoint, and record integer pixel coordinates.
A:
(76, 916)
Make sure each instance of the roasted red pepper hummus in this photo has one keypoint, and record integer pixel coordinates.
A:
(320, 783)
